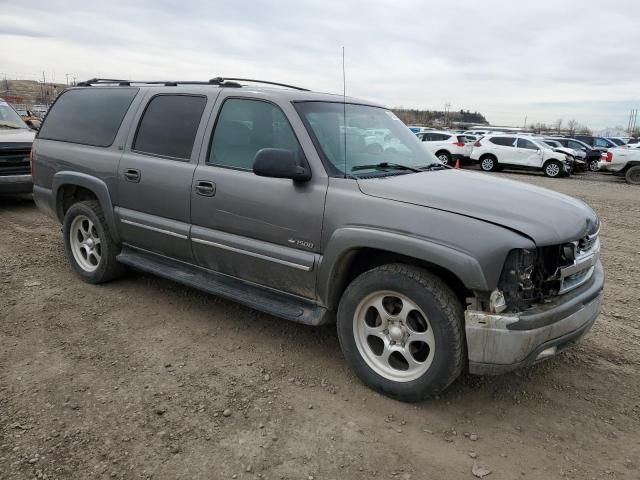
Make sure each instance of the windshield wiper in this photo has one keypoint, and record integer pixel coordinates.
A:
(385, 166)
(433, 166)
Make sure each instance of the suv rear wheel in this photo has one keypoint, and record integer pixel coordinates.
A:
(88, 244)
(489, 163)
(444, 157)
(400, 328)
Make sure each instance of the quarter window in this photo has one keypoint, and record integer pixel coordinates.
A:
(169, 125)
(245, 126)
(88, 116)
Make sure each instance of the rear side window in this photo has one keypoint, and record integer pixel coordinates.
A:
(89, 116)
(503, 141)
(169, 125)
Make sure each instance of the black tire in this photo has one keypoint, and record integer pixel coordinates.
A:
(553, 169)
(632, 175)
(488, 163)
(444, 157)
(108, 268)
(445, 315)
(593, 166)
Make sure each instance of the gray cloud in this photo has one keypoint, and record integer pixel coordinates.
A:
(545, 59)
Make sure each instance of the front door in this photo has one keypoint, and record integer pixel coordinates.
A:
(528, 153)
(263, 230)
(155, 174)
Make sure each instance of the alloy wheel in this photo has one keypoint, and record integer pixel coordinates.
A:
(394, 336)
(85, 243)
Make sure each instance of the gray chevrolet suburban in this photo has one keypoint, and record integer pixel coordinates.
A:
(270, 196)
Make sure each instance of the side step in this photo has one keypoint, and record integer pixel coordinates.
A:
(281, 305)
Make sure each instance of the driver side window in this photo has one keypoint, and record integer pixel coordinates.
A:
(245, 126)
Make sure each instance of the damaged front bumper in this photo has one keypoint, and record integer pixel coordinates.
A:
(499, 343)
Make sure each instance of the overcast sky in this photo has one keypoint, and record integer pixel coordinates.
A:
(545, 59)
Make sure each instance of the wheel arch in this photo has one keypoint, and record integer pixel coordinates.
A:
(69, 187)
(353, 251)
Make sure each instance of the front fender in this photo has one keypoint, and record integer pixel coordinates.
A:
(95, 185)
(349, 239)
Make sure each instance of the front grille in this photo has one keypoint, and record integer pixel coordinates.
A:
(586, 255)
(14, 159)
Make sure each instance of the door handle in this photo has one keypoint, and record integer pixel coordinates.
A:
(206, 189)
(132, 175)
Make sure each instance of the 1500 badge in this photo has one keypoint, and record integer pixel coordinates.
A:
(300, 243)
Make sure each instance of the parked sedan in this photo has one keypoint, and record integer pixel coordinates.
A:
(447, 146)
(578, 156)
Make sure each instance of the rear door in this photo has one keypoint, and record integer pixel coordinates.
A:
(156, 170)
(262, 230)
(504, 149)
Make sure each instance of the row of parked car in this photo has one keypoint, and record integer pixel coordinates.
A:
(555, 156)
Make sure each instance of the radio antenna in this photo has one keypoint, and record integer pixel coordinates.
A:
(344, 112)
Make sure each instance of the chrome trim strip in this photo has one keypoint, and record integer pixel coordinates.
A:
(252, 254)
(155, 229)
(22, 178)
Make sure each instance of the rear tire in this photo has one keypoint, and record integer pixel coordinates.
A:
(444, 157)
(553, 169)
(401, 330)
(593, 166)
(488, 163)
(632, 175)
(88, 244)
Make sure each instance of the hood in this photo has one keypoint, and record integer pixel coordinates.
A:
(543, 215)
(14, 135)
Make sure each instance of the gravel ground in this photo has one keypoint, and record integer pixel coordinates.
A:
(144, 378)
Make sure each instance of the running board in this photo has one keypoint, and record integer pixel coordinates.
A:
(274, 303)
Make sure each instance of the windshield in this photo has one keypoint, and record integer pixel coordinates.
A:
(9, 118)
(372, 137)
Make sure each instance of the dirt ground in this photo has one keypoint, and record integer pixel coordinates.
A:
(144, 378)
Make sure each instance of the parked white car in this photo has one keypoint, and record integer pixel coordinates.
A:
(519, 152)
(447, 146)
(624, 162)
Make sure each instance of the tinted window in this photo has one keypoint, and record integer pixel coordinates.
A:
(169, 125)
(601, 142)
(246, 126)
(90, 116)
(504, 141)
(528, 144)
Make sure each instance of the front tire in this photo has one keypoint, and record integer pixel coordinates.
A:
(401, 330)
(88, 244)
(593, 166)
(553, 169)
(632, 175)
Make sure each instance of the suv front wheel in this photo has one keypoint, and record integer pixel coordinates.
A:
(400, 328)
(88, 244)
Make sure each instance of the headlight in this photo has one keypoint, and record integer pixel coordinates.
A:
(517, 281)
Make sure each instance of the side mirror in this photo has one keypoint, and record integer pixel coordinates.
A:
(280, 163)
(33, 124)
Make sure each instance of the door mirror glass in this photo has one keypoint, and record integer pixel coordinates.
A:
(280, 163)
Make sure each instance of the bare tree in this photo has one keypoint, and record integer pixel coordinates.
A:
(572, 126)
(558, 125)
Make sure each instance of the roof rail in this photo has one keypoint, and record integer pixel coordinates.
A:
(167, 83)
(219, 81)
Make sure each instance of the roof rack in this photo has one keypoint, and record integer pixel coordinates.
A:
(219, 81)
(224, 79)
